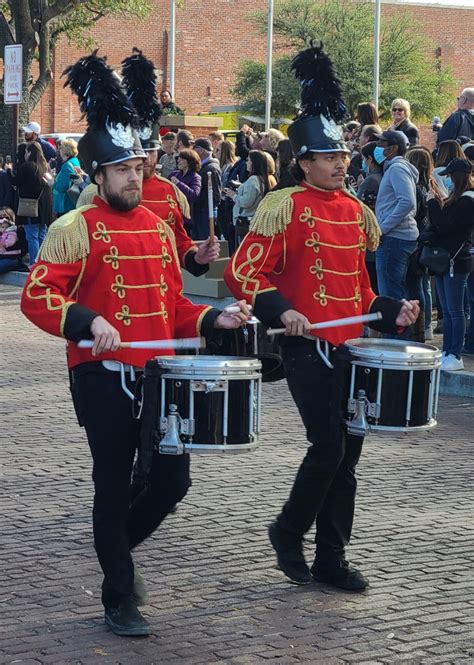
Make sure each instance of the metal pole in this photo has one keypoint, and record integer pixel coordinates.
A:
(376, 89)
(268, 93)
(172, 45)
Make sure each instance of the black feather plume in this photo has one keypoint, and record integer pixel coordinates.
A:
(320, 88)
(139, 79)
(101, 96)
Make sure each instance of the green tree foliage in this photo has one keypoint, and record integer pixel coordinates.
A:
(408, 65)
(37, 24)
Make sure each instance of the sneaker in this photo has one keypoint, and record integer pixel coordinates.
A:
(339, 574)
(451, 364)
(289, 551)
(139, 593)
(126, 620)
(428, 334)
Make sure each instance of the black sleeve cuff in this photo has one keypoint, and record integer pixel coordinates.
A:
(389, 308)
(269, 306)
(194, 268)
(78, 321)
(207, 323)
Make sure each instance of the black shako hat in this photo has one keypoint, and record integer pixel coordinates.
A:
(111, 136)
(318, 128)
(139, 80)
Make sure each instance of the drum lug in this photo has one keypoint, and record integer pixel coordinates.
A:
(361, 408)
(171, 444)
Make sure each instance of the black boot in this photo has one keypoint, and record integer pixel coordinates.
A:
(340, 574)
(126, 620)
(289, 551)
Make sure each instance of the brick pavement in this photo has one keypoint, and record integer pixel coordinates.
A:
(216, 596)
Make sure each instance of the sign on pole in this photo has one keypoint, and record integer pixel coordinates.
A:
(13, 74)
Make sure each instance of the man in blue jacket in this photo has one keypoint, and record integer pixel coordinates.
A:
(395, 209)
(461, 122)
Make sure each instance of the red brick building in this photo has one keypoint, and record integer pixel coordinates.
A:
(212, 38)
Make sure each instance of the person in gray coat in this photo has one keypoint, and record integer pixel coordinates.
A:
(395, 210)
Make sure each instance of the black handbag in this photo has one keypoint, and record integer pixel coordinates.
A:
(438, 260)
(435, 259)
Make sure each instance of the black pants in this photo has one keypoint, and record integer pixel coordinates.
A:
(325, 485)
(121, 520)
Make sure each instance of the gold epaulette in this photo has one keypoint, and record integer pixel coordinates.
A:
(180, 197)
(67, 240)
(372, 228)
(274, 212)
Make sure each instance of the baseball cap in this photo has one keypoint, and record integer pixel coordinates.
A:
(393, 137)
(170, 136)
(205, 144)
(457, 166)
(32, 128)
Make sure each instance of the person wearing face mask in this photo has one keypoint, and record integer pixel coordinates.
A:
(367, 192)
(395, 210)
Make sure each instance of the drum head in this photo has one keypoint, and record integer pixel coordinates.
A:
(393, 352)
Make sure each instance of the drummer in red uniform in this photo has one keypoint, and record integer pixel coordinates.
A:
(109, 272)
(303, 262)
(160, 195)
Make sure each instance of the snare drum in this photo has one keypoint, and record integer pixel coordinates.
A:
(393, 385)
(209, 404)
(252, 341)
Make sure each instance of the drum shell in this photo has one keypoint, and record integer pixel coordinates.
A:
(220, 395)
(399, 379)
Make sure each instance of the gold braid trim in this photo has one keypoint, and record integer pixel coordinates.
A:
(372, 228)
(67, 240)
(180, 197)
(274, 212)
(172, 238)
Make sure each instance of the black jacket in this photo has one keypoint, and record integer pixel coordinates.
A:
(211, 166)
(410, 131)
(30, 185)
(459, 123)
(453, 226)
(7, 193)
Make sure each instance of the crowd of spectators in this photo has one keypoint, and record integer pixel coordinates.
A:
(420, 196)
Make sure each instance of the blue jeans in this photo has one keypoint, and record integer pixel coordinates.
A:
(35, 234)
(9, 263)
(391, 260)
(451, 294)
(469, 342)
(200, 227)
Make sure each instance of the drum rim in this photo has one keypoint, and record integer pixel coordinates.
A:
(360, 350)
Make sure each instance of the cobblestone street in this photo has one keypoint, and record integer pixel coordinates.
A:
(216, 595)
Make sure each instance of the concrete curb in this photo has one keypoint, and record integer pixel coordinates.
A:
(459, 384)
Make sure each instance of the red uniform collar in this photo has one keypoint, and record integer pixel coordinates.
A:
(327, 194)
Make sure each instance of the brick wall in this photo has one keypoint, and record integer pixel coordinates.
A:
(212, 38)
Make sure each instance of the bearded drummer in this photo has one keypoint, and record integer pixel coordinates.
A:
(108, 272)
(303, 261)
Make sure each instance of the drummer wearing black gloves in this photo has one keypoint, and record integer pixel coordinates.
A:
(301, 263)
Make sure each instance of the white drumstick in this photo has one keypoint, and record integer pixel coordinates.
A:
(234, 309)
(348, 321)
(185, 343)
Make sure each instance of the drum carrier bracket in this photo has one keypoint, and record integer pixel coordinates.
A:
(361, 408)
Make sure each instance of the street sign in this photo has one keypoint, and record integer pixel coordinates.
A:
(13, 74)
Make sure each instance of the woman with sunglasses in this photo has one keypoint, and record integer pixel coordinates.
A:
(401, 112)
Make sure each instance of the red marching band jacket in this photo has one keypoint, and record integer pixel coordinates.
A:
(120, 265)
(164, 199)
(306, 251)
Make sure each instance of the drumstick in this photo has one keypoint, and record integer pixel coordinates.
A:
(210, 201)
(234, 309)
(349, 320)
(185, 343)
